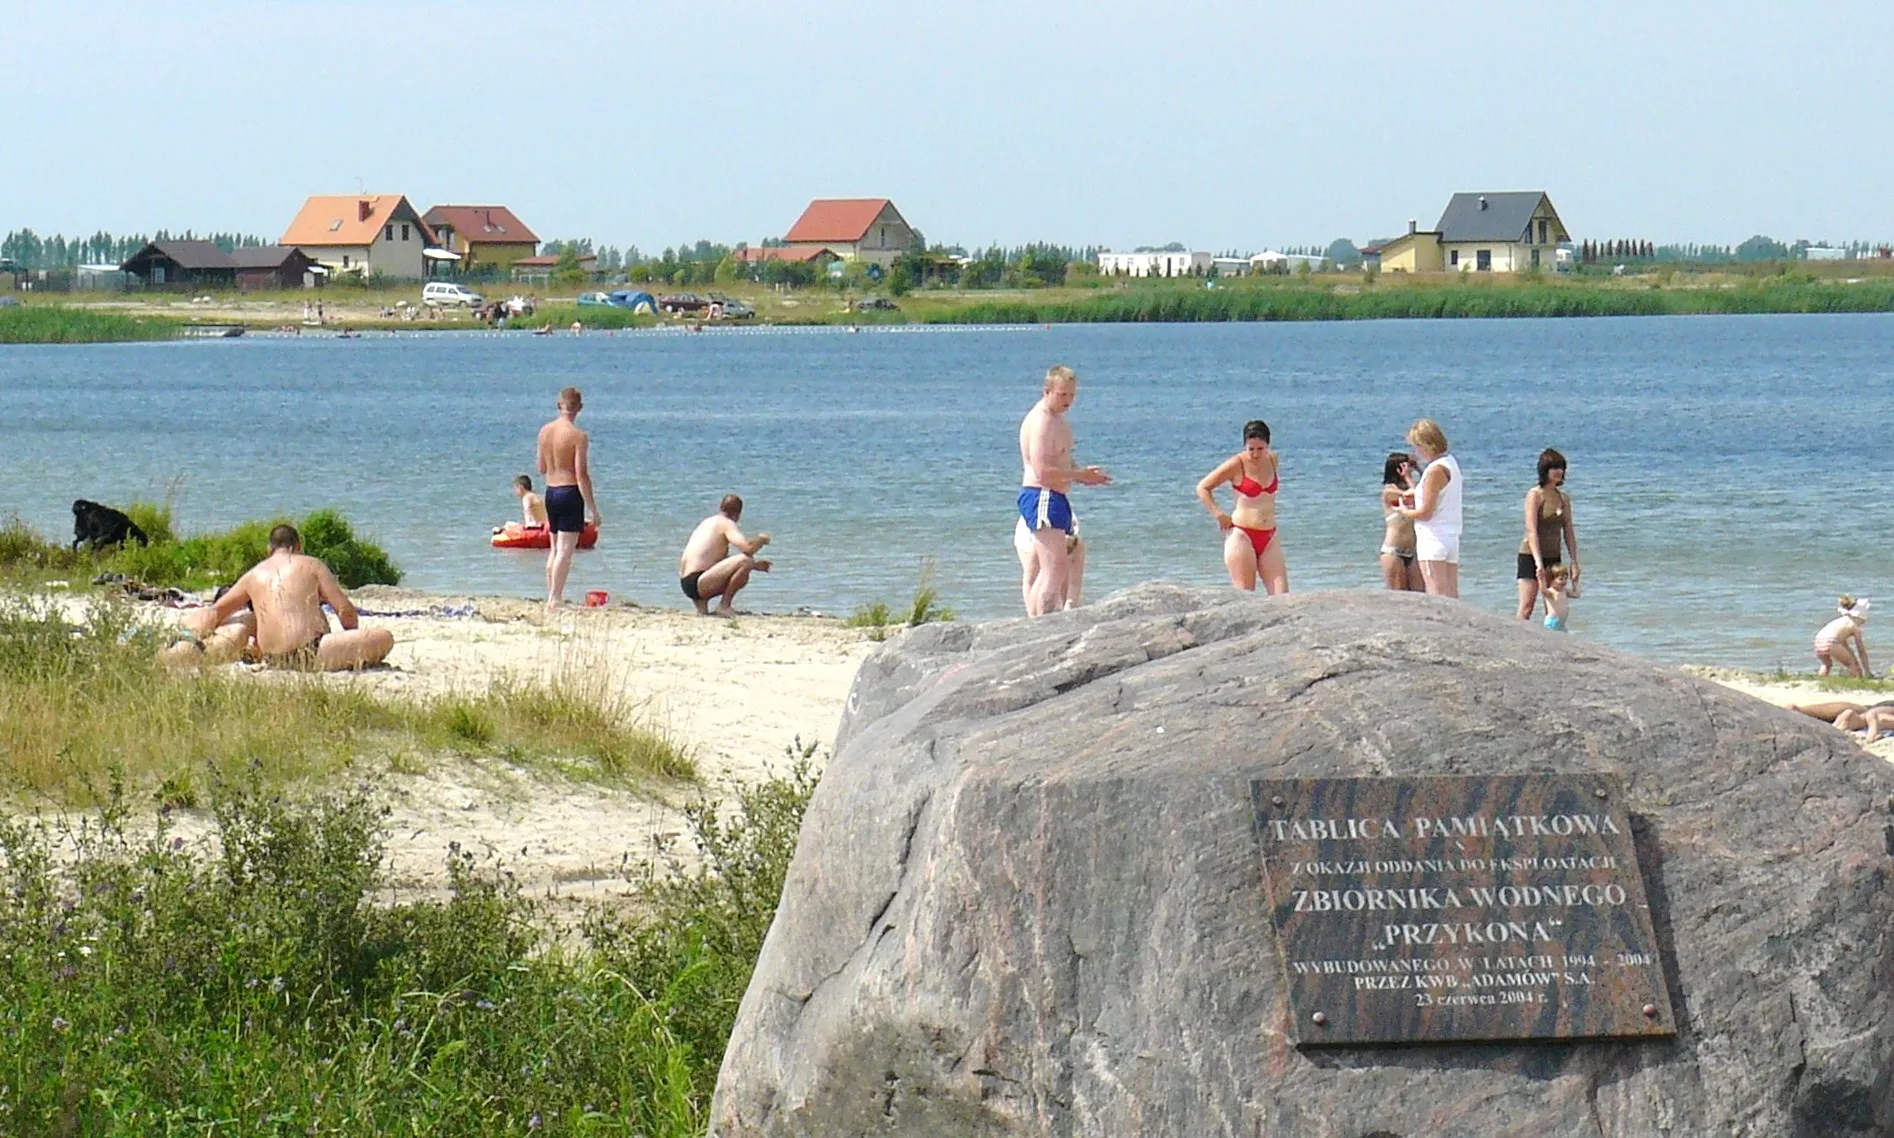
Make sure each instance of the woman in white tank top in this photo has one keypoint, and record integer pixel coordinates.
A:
(1436, 510)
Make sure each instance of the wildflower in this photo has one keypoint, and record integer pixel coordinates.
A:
(60, 1024)
(484, 1005)
(177, 844)
(533, 1122)
(277, 985)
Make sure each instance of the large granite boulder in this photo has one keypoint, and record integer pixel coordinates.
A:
(1027, 898)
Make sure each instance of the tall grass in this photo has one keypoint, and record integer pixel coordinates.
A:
(56, 324)
(77, 703)
(150, 987)
(924, 607)
(1247, 301)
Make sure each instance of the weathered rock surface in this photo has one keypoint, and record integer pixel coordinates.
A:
(1027, 898)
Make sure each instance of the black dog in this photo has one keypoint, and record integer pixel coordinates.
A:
(102, 525)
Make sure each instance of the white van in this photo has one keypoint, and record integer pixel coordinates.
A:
(447, 293)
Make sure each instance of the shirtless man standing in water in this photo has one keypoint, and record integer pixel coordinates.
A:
(1045, 452)
(569, 502)
(284, 594)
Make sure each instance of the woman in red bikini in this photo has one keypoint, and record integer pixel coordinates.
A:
(1250, 550)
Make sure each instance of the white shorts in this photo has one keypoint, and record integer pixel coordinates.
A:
(1434, 547)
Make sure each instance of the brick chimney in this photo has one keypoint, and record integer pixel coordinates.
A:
(364, 208)
(1412, 225)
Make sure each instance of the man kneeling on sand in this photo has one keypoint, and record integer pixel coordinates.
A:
(708, 569)
(278, 603)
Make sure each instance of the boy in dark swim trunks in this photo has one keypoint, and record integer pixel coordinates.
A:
(564, 458)
(708, 569)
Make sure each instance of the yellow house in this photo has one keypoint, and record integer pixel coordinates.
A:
(482, 236)
(1485, 233)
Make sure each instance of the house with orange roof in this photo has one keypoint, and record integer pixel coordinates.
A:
(365, 234)
(867, 229)
(484, 236)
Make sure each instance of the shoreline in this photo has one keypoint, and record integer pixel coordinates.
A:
(1338, 297)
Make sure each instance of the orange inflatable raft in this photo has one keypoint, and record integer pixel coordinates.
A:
(513, 535)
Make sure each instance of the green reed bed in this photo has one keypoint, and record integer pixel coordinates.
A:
(198, 560)
(1249, 301)
(57, 324)
(252, 985)
(80, 701)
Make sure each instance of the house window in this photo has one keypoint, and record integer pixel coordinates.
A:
(404, 231)
(1542, 231)
(1453, 257)
(345, 260)
(1483, 260)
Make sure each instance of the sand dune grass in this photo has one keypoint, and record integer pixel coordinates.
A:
(82, 701)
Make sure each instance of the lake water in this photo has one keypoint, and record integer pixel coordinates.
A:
(1719, 465)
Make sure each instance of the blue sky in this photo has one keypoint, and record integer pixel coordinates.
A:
(1221, 125)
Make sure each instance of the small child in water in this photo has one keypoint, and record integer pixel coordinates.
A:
(532, 506)
(1832, 643)
(1558, 591)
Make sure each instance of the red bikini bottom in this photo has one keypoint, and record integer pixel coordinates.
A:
(1259, 538)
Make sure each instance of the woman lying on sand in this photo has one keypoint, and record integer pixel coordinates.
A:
(1871, 719)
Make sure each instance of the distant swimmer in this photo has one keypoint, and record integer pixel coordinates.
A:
(1840, 640)
(564, 458)
(708, 570)
(283, 595)
(1436, 513)
(1250, 549)
(1047, 475)
(532, 506)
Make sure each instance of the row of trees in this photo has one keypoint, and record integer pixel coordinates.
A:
(29, 250)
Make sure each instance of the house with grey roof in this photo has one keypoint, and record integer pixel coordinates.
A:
(1505, 232)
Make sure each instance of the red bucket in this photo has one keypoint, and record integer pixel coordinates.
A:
(596, 598)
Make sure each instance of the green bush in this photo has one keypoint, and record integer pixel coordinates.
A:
(219, 558)
(261, 983)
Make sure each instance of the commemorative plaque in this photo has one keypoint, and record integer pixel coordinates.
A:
(1415, 910)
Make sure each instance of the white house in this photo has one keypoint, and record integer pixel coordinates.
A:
(1154, 264)
(366, 234)
(1270, 261)
(1231, 266)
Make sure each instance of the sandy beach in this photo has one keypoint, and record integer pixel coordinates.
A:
(737, 694)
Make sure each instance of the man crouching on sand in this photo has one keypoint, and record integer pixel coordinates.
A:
(708, 569)
(283, 595)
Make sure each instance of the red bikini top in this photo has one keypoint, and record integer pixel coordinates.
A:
(1250, 488)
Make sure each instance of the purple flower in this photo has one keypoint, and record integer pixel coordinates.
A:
(533, 1122)
(60, 1024)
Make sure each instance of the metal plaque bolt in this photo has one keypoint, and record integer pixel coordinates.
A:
(1277, 799)
(1650, 1011)
(1320, 1018)
(1600, 792)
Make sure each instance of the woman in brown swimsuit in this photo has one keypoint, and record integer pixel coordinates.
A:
(1548, 519)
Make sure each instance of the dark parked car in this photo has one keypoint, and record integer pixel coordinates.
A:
(683, 302)
(873, 303)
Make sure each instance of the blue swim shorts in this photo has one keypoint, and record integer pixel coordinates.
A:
(1045, 509)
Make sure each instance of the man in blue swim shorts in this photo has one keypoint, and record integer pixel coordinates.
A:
(1045, 452)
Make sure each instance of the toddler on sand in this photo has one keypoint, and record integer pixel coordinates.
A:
(1832, 643)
